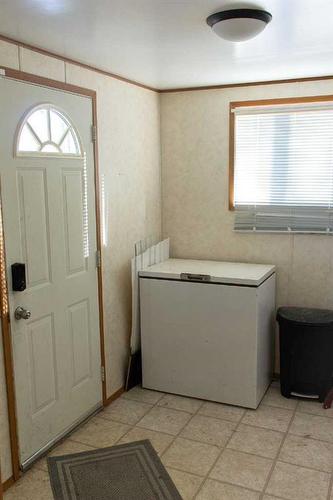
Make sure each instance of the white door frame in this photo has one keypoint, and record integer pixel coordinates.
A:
(5, 317)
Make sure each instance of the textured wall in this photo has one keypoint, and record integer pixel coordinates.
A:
(129, 161)
(195, 155)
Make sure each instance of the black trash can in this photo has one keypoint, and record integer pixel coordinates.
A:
(306, 351)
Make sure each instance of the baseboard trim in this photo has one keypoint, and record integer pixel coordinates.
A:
(8, 483)
(114, 396)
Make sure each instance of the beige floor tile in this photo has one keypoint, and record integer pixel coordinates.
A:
(208, 430)
(242, 469)
(143, 395)
(315, 408)
(312, 426)
(214, 490)
(187, 484)
(125, 411)
(165, 420)
(65, 448)
(100, 433)
(269, 497)
(256, 440)
(296, 483)
(276, 419)
(159, 441)
(180, 403)
(190, 456)
(273, 397)
(33, 485)
(219, 410)
(308, 453)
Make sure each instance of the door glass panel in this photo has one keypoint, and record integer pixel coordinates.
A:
(39, 123)
(58, 127)
(27, 141)
(46, 130)
(69, 145)
(50, 148)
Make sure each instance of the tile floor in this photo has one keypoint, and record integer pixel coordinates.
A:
(283, 450)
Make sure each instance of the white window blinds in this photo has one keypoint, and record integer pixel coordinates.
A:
(283, 168)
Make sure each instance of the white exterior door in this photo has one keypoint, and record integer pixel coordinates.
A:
(48, 202)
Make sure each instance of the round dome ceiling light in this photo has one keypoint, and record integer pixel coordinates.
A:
(238, 25)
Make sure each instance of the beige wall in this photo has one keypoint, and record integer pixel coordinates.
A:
(129, 161)
(195, 141)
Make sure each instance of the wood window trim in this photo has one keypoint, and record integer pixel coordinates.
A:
(5, 319)
(260, 102)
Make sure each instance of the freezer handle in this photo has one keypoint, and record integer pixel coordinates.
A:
(194, 277)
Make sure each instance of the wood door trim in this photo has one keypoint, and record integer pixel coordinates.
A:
(114, 396)
(8, 483)
(99, 246)
(5, 318)
(47, 82)
(8, 354)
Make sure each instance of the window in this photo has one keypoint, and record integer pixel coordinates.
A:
(282, 165)
(46, 131)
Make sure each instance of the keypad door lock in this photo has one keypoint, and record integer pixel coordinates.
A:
(18, 277)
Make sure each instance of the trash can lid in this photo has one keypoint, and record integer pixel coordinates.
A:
(305, 315)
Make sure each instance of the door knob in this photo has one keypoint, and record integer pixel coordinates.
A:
(21, 313)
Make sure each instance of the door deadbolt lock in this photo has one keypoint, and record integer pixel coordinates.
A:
(21, 313)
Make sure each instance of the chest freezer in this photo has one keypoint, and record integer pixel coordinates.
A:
(207, 329)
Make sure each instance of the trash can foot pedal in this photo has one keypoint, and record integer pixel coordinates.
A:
(328, 400)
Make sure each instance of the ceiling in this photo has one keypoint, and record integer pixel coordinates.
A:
(167, 44)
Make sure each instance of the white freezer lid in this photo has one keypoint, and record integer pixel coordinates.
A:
(219, 272)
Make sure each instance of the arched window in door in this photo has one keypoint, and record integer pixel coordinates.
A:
(47, 131)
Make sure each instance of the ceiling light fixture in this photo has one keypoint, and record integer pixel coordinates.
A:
(238, 25)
